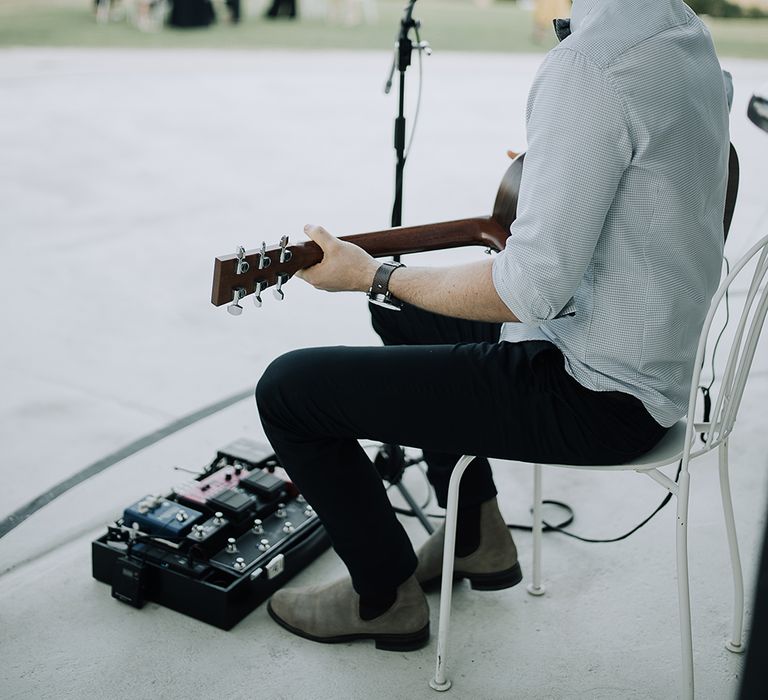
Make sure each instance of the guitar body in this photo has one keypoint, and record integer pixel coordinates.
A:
(253, 271)
(505, 206)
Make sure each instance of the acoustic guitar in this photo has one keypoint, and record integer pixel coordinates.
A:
(251, 272)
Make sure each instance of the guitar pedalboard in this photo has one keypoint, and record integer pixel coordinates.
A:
(218, 545)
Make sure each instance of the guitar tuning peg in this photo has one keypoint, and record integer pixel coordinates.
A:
(264, 261)
(260, 287)
(282, 278)
(242, 264)
(234, 308)
(285, 254)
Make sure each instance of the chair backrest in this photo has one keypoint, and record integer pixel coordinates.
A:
(741, 352)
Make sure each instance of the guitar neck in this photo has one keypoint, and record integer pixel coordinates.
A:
(480, 231)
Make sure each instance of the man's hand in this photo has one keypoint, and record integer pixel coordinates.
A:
(345, 267)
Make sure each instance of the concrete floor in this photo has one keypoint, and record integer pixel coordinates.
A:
(122, 175)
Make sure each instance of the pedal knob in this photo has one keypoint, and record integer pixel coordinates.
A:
(199, 531)
(264, 545)
(218, 518)
(301, 499)
(281, 511)
(239, 563)
(288, 527)
(258, 527)
(309, 511)
(181, 516)
(238, 469)
(231, 545)
(228, 474)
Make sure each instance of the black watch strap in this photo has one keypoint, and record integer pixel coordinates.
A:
(379, 292)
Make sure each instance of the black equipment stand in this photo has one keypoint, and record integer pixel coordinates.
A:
(390, 460)
(403, 51)
(391, 463)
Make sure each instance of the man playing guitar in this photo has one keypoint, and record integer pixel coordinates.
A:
(574, 344)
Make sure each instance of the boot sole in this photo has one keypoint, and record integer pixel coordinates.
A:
(496, 581)
(410, 641)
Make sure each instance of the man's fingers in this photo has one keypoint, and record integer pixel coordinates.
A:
(318, 234)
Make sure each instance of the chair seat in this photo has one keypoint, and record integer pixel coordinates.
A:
(668, 450)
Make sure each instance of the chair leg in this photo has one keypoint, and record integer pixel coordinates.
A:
(536, 587)
(440, 682)
(683, 592)
(734, 644)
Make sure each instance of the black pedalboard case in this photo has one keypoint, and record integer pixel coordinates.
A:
(218, 545)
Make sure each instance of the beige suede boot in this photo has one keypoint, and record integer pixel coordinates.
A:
(491, 567)
(330, 613)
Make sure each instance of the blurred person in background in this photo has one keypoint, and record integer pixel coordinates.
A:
(191, 13)
(281, 8)
(233, 9)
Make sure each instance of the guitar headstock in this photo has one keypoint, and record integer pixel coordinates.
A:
(252, 272)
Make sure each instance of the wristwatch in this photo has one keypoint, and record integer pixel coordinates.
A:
(379, 292)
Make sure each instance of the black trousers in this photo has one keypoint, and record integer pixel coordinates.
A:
(448, 387)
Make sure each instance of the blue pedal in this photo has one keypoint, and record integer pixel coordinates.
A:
(160, 517)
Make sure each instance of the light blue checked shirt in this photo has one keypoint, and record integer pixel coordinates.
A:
(617, 247)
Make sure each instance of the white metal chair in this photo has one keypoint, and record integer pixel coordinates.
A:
(677, 444)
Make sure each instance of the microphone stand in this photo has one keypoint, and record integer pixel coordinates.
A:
(402, 59)
(390, 460)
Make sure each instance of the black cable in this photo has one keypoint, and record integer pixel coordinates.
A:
(529, 528)
(725, 325)
(418, 94)
(705, 390)
(633, 530)
(409, 513)
(560, 527)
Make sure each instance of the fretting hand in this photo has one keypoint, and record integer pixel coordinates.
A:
(345, 267)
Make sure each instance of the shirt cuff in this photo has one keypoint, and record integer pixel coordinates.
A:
(520, 295)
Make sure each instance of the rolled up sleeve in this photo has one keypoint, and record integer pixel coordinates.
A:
(579, 145)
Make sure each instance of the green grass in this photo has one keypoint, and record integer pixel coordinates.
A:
(448, 24)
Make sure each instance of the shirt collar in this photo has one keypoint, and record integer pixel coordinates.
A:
(581, 8)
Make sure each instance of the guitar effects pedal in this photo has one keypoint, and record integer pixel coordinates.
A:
(156, 515)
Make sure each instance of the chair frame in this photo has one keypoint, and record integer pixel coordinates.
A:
(679, 444)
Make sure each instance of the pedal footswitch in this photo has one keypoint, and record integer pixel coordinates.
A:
(264, 484)
(209, 534)
(235, 502)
